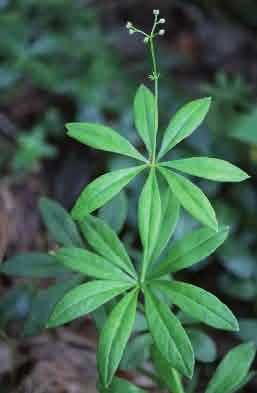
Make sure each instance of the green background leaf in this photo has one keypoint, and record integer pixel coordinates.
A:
(204, 347)
(33, 264)
(59, 223)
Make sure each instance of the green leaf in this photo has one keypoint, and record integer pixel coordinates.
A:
(168, 334)
(199, 303)
(168, 375)
(114, 336)
(102, 189)
(140, 323)
(144, 109)
(191, 249)
(149, 216)
(108, 212)
(15, 304)
(208, 168)
(191, 198)
(183, 124)
(102, 138)
(84, 299)
(170, 214)
(33, 264)
(58, 223)
(249, 377)
(245, 128)
(204, 347)
(248, 330)
(43, 305)
(119, 385)
(136, 352)
(244, 290)
(93, 265)
(232, 370)
(104, 241)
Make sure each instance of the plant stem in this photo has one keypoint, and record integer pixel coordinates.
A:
(155, 78)
(149, 374)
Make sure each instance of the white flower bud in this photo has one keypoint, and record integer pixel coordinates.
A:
(131, 31)
(128, 25)
(161, 32)
(146, 39)
(162, 20)
(156, 12)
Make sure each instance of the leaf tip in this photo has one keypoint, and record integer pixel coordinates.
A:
(75, 215)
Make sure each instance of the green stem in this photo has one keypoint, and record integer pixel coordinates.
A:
(156, 78)
(149, 374)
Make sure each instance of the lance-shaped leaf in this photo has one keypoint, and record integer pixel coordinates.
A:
(33, 264)
(232, 370)
(44, 303)
(247, 379)
(199, 303)
(114, 336)
(168, 334)
(106, 243)
(144, 109)
(168, 375)
(191, 198)
(170, 213)
(93, 265)
(102, 138)
(84, 299)
(149, 216)
(59, 223)
(184, 123)
(119, 385)
(209, 168)
(101, 190)
(191, 249)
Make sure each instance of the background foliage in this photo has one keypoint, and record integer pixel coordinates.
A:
(64, 61)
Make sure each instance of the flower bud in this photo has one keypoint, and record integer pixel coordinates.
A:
(161, 32)
(162, 20)
(131, 31)
(146, 39)
(156, 12)
(128, 25)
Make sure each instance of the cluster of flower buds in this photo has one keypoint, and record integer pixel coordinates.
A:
(160, 21)
(132, 29)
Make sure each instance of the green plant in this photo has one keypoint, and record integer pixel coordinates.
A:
(231, 375)
(108, 262)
